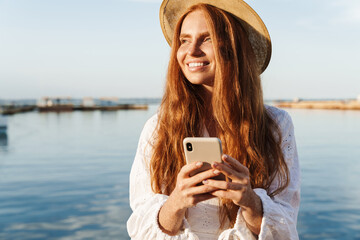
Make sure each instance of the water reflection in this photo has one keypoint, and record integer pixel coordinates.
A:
(3, 141)
(103, 220)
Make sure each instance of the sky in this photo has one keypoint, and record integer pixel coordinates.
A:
(106, 48)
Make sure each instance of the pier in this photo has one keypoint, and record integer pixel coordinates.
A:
(10, 110)
(112, 108)
(320, 104)
(67, 104)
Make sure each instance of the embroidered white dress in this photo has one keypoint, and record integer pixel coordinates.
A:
(202, 222)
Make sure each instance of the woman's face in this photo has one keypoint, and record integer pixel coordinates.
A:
(196, 53)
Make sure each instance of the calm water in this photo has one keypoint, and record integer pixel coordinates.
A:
(65, 176)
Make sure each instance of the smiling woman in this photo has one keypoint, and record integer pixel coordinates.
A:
(219, 48)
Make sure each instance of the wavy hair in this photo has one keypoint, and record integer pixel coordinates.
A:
(247, 131)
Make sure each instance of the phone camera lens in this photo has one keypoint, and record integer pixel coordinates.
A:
(189, 147)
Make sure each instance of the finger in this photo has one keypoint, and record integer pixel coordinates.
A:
(224, 185)
(232, 173)
(193, 192)
(201, 189)
(198, 178)
(188, 168)
(225, 194)
(226, 164)
(235, 164)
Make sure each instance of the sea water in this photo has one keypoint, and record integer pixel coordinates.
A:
(65, 175)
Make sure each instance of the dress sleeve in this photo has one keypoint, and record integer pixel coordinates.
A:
(279, 212)
(145, 204)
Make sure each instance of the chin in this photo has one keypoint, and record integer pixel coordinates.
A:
(201, 81)
(196, 82)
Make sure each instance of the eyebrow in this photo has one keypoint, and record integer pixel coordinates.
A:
(184, 35)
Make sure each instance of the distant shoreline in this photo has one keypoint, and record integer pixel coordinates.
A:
(68, 104)
(25, 105)
(33, 101)
(321, 104)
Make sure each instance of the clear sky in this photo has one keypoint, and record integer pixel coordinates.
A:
(101, 48)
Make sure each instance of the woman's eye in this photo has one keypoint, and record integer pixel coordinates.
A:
(207, 39)
(182, 41)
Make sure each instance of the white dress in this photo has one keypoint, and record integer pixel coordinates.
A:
(202, 222)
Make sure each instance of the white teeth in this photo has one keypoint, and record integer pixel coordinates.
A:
(194, 64)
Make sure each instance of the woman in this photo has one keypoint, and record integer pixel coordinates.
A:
(213, 89)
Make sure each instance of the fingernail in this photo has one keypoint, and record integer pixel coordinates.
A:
(225, 156)
(198, 164)
(216, 164)
(205, 181)
(216, 171)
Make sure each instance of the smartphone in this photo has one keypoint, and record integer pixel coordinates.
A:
(204, 149)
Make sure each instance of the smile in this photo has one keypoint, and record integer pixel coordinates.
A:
(197, 64)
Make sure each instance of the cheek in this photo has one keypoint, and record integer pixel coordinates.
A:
(211, 53)
(180, 56)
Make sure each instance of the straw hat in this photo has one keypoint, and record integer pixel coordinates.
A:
(172, 10)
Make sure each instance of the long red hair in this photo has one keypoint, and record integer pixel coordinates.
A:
(247, 131)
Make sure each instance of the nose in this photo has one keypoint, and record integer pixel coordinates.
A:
(194, 49)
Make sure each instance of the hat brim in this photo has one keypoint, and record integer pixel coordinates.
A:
(172, 10)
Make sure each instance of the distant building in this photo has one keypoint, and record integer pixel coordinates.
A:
(56, 104)
(54, 101)
(296, 99)
(108, 101)
(88, 102)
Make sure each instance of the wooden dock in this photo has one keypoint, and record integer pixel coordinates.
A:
(329, 105)
(112, 108)
(10, 110)
(68, 104)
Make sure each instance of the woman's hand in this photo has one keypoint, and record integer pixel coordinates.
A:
(238, 190)
(187, 193)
